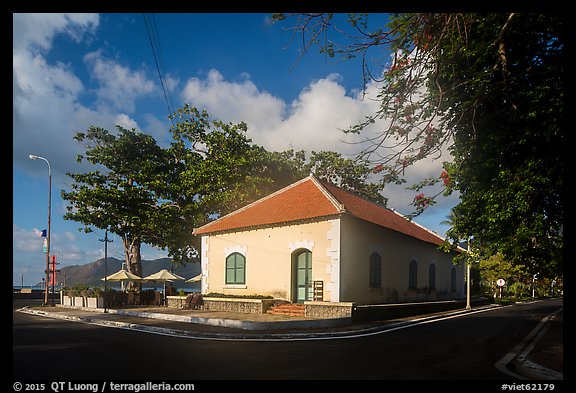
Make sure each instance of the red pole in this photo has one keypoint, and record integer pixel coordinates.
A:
(53, 278)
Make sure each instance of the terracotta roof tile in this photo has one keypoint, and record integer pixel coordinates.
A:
(302, 200)
(308, 199)
(379, 215)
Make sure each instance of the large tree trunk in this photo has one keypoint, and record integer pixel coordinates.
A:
(133, 259)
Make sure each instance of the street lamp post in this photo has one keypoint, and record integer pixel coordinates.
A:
(46, 290)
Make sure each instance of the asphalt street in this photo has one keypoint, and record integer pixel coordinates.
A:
(461, 348)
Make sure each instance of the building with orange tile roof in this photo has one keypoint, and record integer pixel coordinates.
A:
(313, 234)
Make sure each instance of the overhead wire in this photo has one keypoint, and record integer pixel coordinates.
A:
(153, 38)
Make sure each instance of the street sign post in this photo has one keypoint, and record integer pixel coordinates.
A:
(500, 283)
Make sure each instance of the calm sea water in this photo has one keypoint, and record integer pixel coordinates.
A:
(194, 287)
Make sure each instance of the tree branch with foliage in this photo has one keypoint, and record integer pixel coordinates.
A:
(487, 86)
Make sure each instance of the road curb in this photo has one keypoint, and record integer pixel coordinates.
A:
(294, 336)
(531, 369)
(516, 363)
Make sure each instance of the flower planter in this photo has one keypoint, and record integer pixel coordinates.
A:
(79, 301)
(95, 302)
(66, 300)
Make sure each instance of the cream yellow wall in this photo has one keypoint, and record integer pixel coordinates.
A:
(268, 253)
(360, 239)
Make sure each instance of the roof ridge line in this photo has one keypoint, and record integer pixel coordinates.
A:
(419, 225)
(253, 203)
(341, 208)
(357, 195)
(390, 209)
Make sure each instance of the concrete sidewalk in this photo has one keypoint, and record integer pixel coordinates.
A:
(539, 356)
(543, 356)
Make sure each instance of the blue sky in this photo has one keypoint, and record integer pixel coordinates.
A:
(71, 71)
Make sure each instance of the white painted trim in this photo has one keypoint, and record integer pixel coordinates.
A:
(236, 248)
(235, 286)
(204, 263)
(308, 244)
(334, 267)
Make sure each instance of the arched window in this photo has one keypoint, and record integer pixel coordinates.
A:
(432, 276)
(413, 275)
(375, 271)
(453, 279)
(235, 269)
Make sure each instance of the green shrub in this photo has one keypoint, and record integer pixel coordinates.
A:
(223, 295)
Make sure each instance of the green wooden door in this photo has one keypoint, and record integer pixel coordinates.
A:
(303, 272)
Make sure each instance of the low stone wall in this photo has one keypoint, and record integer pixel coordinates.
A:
(257, 306)
(175, 301)
(327, 310)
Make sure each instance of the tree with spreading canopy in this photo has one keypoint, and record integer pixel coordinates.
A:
(487, 86)
(148, 194)
(116, 196)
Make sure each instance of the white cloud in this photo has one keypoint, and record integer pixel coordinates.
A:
(318, 116)
(125, 121)
(29, 242)
(45, 96)
(313, 121)
(36, 31)
(26, 240)
(118, 85)
(229, 101)
(49, 98)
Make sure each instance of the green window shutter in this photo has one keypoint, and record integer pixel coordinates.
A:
(432, 276)
(413, 275)
(375, 271)
(235, 269)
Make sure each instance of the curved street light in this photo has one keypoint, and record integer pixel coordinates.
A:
(46, 296)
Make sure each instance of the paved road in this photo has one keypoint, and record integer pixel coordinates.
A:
(463, 348)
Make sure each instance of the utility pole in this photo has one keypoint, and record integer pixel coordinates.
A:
(106, 241)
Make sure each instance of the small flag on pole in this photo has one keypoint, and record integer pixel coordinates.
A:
(42, 233)
(45, 245)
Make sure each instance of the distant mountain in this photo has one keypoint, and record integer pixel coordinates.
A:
(91, 274)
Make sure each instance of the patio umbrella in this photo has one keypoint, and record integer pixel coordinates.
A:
(122, 275)
(163, 275)
(195, 278)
